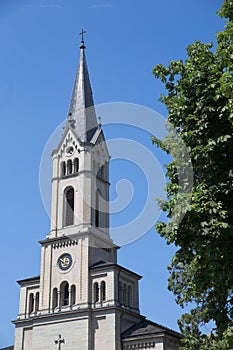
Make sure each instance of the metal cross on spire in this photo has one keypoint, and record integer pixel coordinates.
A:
(59, 341)
(82, 41)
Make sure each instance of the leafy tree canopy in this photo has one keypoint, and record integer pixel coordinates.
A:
(199, 101)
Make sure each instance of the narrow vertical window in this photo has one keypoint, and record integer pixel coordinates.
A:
(37, 302)
(69, 207)
(99, 173)
(76, 165)
(102, 172)
(94, 166)
(55, 298)
(63, 169)
(64, 293)
(97, 209)
(120, 293)
(73, 292)
(96, 292)
(31, 303)
(103, 291)
(69, 167)
(130, 298)
(125, 295)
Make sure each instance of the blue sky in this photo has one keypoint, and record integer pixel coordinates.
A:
(39, 49)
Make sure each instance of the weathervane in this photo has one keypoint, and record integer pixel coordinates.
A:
(82, 41)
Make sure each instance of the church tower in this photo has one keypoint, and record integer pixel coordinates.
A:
(82, 299)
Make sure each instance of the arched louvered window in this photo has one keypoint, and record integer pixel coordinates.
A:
(31, 303)
(103, 291)
(37, 302)
(55, 298)
(63, 168)
(69, 167)
(96, 292)
(64, 293)
(76, 165)
(97, 209)
(69, 206)
(73, 292)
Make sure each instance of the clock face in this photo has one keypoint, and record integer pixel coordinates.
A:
(64, 261)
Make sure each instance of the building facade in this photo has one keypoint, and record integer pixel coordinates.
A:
(82, 299)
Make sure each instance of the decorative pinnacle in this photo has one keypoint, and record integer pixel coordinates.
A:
(82, 46)
(99, 122)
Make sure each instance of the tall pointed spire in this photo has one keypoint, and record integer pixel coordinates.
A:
(81, 115)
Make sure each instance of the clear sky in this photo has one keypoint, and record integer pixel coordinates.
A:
(39, 49)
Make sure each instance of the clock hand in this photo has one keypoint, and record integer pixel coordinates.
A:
(65, 261)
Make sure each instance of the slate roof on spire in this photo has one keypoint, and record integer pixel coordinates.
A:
(81, 115)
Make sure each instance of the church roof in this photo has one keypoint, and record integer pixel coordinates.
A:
(81, 116)
(105, 264)
(146, 327)
(29, 280)
(8, 348)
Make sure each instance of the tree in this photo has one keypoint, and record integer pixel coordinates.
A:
(199, 101)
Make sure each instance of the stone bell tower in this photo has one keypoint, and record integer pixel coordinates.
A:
(82, 299)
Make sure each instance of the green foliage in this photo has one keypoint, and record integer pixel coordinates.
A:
(199, 100)
(209, 342)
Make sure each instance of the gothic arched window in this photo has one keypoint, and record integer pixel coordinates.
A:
(64, 293)
(96, 292)
(55, 298)
(37, 302)
(73, 292)
(31, 303)
(69, 167)
(76, 165)
(69, 206)
(103, 291)
(63, 168)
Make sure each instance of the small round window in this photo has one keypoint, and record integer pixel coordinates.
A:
(70, 150)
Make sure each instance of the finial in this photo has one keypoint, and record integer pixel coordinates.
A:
(82, 46)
